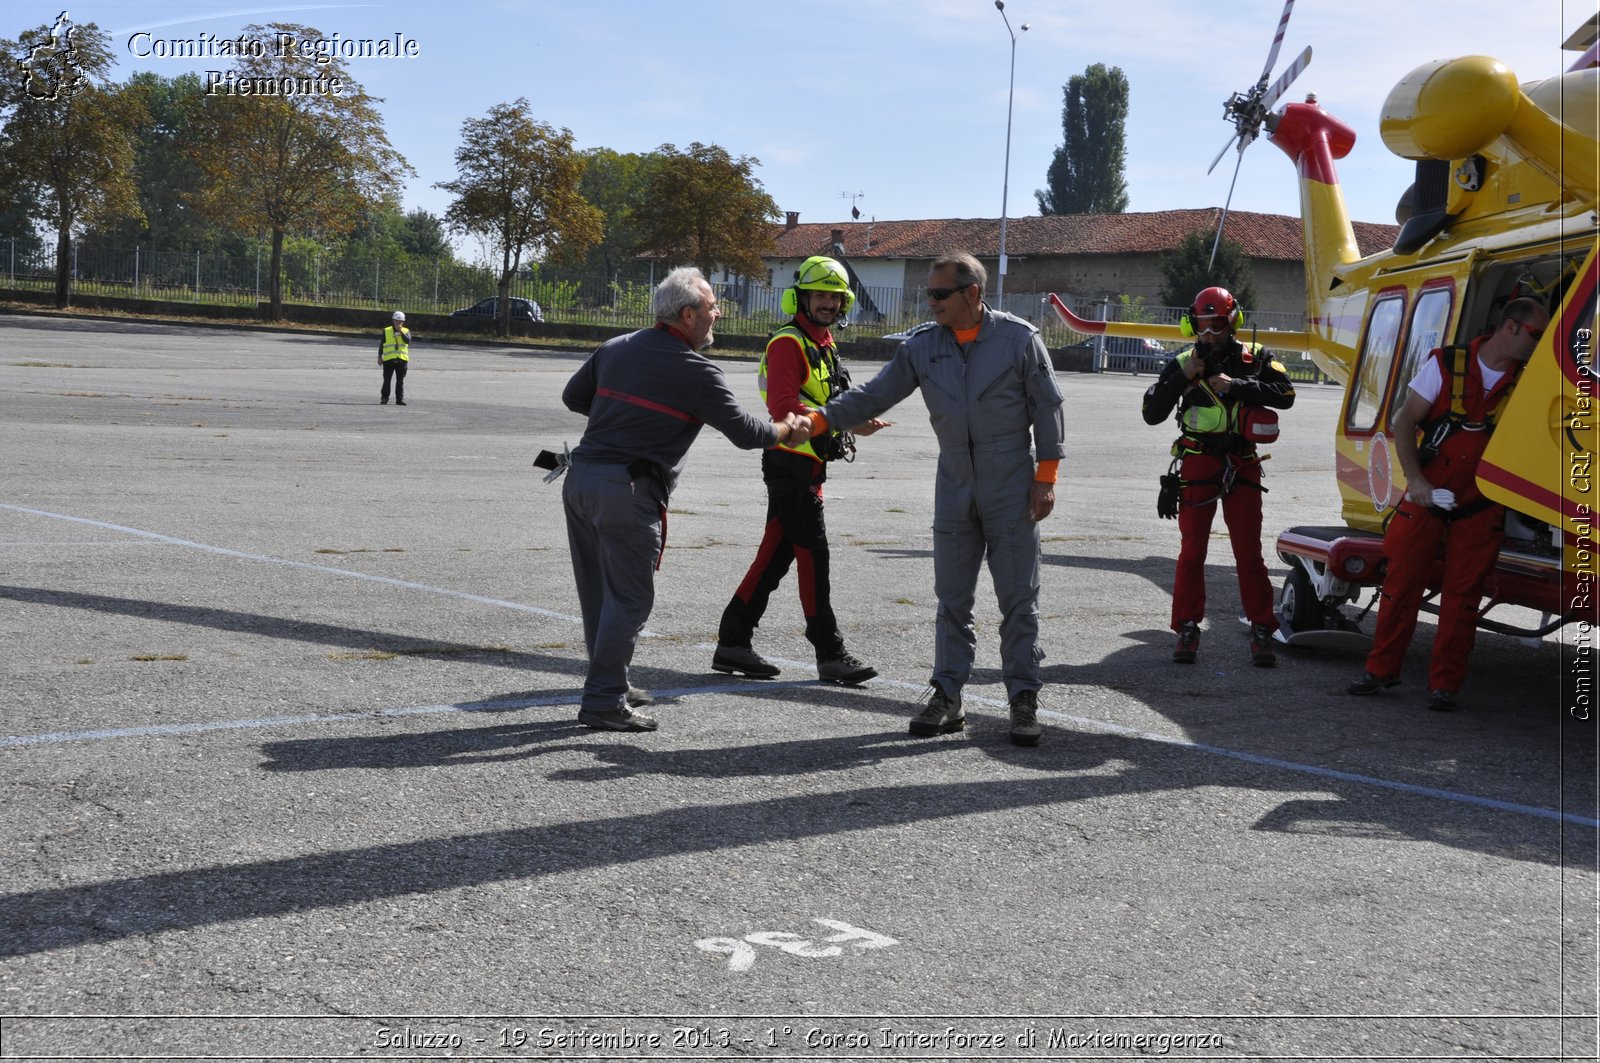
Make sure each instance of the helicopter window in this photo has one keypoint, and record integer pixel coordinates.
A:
(1428, 321)
(1377, 356)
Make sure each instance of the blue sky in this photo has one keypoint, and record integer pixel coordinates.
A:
(902, 101)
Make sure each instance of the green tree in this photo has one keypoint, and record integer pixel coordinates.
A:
(421, 235)
(705, 208)
(1086, 176)
(517, 186)
(165, 175)
(18, 208)
(1185, 271)
(1132, 308)
(65, 144)
(310, 163)
(614, 182)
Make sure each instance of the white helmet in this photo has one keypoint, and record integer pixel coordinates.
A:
(399, 315)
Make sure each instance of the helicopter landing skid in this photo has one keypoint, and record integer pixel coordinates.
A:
(1345, 635)
(1325, 639)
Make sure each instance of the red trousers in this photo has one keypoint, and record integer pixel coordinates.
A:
(1412, 542)
(1241, 511)
(797, 534)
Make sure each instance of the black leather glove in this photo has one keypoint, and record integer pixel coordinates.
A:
(1167, 500)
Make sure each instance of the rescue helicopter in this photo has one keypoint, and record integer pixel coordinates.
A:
(1506, 203)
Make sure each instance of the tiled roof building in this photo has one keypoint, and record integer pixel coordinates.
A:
(1088, 257)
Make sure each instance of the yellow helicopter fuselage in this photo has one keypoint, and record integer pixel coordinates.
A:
(1513, 213)
(1505, 205)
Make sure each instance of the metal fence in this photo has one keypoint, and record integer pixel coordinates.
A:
(444, 286)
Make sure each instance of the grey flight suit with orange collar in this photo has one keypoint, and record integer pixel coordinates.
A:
(995, 408)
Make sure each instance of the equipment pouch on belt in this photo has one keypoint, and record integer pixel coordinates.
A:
(1167, 500)
(1258, 424)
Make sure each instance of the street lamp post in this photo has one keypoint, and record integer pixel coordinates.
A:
(1005, 186)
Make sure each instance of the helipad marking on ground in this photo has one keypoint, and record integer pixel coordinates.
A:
(741, 957)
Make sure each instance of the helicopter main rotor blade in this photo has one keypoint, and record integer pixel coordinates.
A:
(1277, 40)
(1221, 153)
(1281, 86)
(1224, 219)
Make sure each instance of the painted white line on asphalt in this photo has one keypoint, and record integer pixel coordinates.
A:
(305, 565)
(513, 704)
(572, 699)
(494, 705)
(83, 542)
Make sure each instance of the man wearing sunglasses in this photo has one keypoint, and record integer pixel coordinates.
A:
(1214, 386)
(1452, 403)
(992, 397)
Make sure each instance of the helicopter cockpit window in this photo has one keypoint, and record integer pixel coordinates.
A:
(1377, 356)
(1428, 320)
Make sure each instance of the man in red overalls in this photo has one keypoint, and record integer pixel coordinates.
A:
(1212, 385)
(1443, 510)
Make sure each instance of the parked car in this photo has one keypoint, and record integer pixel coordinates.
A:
(1123, 354)
(1130, 352)
(521, 309)
(904, 334)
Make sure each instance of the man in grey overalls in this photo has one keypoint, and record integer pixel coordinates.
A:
(988, 385)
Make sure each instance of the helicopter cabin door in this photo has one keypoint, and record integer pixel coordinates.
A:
(1541, 460)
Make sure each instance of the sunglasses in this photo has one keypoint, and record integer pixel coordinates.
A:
(1534, 334)
(941, 294)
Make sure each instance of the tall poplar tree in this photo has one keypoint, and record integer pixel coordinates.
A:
(1087, 174)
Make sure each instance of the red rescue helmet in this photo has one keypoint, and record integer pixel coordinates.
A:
(1210, 303)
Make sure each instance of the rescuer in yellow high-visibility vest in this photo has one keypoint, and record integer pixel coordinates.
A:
(1212, 386)
(394, 354)
(800, 369)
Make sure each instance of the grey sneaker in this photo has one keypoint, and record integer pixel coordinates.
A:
(621, 719)
(744, 661)
(638, 696)
(1025, 729)
(942, 716)
(845, 668)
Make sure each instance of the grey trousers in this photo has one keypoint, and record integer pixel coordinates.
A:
(1011, 545)
(614, 530)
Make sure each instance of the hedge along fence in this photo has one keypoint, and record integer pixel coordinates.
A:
(313, 278)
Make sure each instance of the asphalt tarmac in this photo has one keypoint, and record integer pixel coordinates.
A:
(291, 767)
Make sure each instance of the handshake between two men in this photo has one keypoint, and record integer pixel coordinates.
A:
(797, 428)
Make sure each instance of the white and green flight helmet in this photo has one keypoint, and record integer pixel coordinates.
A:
(819, 273)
